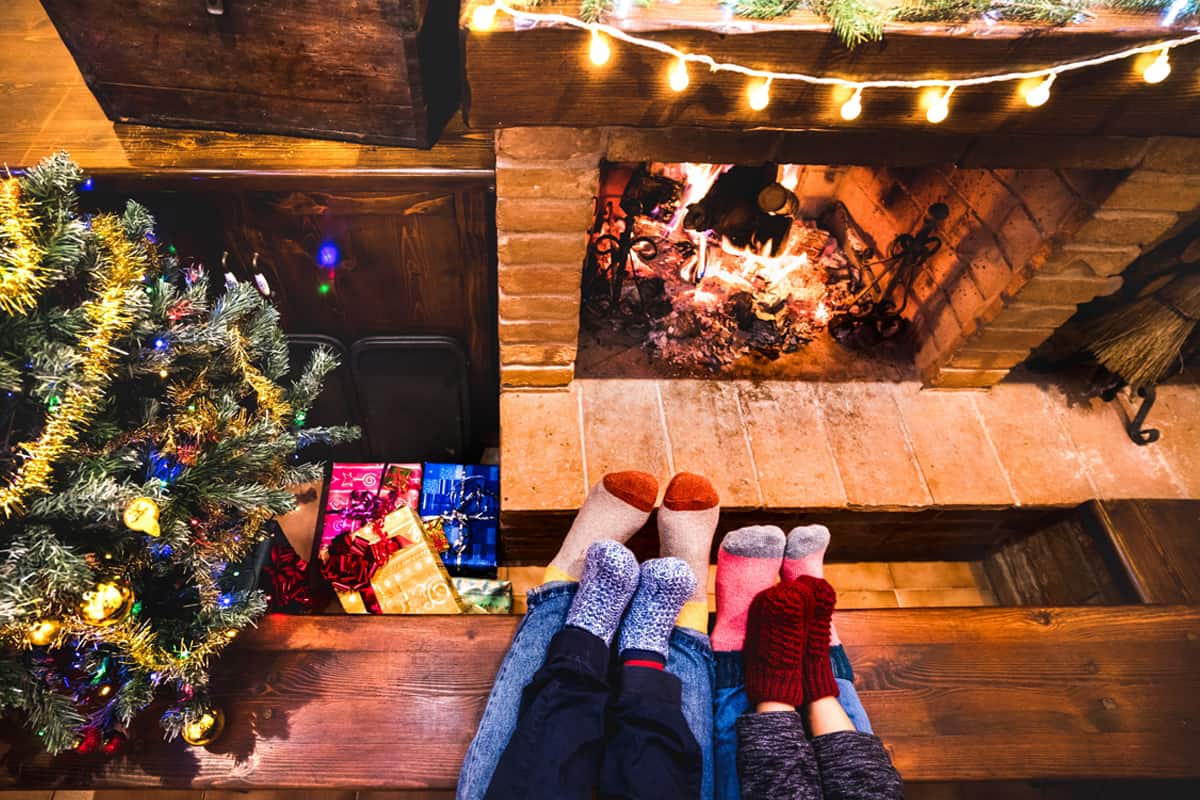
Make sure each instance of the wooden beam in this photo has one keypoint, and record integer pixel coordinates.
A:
(509, 72)
(956, 694)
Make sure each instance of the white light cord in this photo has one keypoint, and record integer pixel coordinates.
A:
(825, 80)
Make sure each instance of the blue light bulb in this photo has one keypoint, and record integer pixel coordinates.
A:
(160, 344)
(87, 185)
(329, 255)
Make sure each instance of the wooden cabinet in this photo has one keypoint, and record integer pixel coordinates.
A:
(380, 71)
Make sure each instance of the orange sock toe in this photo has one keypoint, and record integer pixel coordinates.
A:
(639, 489)
(690, 492)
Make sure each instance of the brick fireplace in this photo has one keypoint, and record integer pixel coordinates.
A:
(1033, 232)
(1024, 245)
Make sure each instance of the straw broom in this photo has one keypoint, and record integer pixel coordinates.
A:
(1141, 340)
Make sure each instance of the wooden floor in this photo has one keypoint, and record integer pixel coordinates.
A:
(956, 694)
(45, 107)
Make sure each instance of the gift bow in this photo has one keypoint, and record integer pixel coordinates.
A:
(353, 562)
(289, 581)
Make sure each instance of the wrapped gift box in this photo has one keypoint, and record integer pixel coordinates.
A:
(356, 494)
(460, 503)
(492, 596)
(389, 567)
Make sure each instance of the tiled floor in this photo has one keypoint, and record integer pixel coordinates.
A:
(874, 584)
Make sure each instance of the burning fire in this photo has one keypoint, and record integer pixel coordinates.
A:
(712, 261)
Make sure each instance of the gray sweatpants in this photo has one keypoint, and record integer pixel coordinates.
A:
(777, 761)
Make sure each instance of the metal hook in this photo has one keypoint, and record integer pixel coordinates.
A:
(215, 7)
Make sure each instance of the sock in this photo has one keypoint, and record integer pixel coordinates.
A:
(818, 669)
(610, 576)
(805, 555)
(747, 563)
(686, 524)
(615, 509)
(663, 588)
(777, 642)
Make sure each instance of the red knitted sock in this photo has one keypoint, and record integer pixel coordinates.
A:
(818, 671)
(776, 643)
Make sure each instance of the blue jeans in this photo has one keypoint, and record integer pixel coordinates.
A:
(690, 659)
(730, 702)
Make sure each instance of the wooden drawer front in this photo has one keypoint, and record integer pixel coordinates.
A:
(348, 70)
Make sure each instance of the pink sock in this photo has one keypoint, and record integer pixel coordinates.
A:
(747, 563)
(805, 555)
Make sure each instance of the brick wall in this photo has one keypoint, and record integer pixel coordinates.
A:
(1023, 246)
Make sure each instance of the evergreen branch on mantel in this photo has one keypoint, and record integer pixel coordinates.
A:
(859, 21)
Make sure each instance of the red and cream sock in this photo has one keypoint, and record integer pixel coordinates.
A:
(615, 509)
(747, 563)
(686, 524)
(805, 555)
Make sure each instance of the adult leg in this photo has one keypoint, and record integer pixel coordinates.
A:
(616, 507)
(557, 748)
(651, 751)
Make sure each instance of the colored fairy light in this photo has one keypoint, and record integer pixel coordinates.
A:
(225, 600)
(160, 343)
(87, 185)
(328, 255)
(324, 288)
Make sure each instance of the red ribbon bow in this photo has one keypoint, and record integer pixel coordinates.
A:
(353, 562)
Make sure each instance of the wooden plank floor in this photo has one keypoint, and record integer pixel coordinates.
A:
(47, 107)
(957, 694)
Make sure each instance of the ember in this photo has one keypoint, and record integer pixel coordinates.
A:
(710, 263)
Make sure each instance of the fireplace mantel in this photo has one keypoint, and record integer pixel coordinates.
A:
(541, 75)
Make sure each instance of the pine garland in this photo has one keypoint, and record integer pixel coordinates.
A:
(859, 21)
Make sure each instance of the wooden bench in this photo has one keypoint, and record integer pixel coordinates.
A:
(957, 695)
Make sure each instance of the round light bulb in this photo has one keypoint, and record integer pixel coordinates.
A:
(483, 18)
(940, 109)
(852, 108)
(679, 76)
(599, 51)
(1159, 70)
(1038, 95)
(760, 95)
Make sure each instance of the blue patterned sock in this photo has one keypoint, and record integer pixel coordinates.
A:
(610, 576)
(665, 585)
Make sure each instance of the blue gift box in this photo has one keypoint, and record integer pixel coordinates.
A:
(463, 500)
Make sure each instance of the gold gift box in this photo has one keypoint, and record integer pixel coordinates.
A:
(414, 580)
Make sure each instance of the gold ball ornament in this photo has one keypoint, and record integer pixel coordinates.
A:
(43, 632)
(205, 728)
(107, 604)
(142, 515)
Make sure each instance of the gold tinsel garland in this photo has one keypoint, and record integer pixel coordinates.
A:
(270, 398)
(23, 277)
(122, 265)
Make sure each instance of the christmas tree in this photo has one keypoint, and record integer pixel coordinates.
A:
(147, 439)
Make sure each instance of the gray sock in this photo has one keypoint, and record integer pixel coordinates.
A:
(665, 585)
(755, 541)
(610, 576)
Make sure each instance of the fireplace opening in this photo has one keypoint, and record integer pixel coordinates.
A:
(797, 271)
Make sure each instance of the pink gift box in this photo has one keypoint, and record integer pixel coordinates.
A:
(367, 480)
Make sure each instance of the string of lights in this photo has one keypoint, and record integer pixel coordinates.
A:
(758, 93)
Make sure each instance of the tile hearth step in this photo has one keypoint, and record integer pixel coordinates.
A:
(921, 462)
(329, 702)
